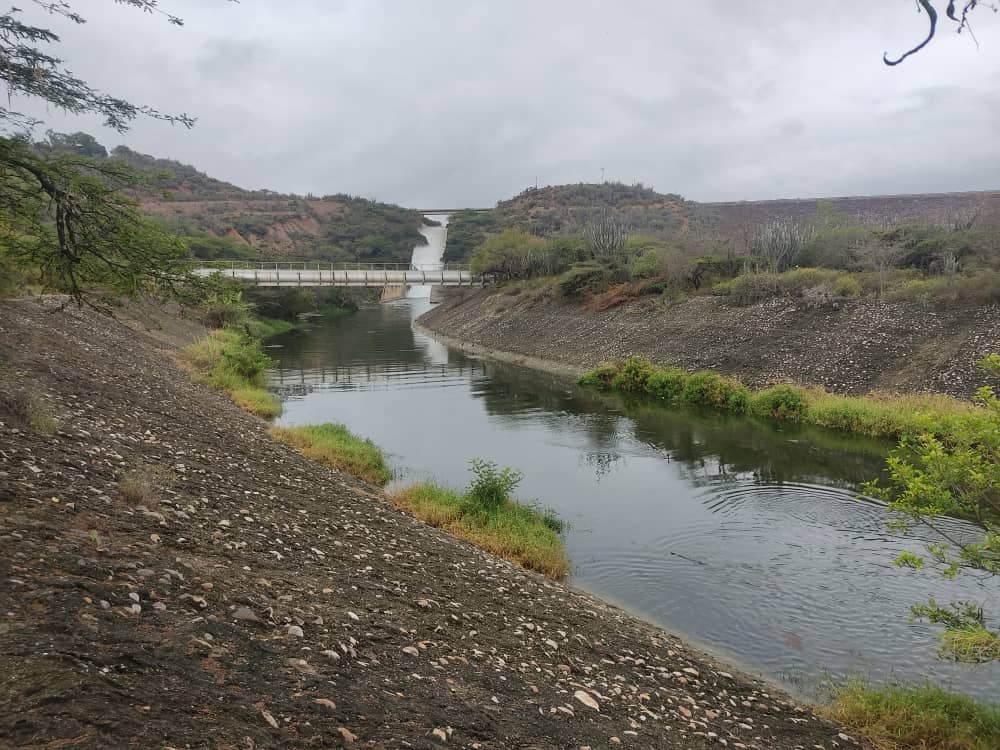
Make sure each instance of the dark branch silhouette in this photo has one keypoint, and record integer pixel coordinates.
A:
(959, 17)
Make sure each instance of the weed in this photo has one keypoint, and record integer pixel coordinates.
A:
(780, 402)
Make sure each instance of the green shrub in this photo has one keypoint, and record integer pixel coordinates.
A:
(666, 384)
(583, 280)
(633, 375)
(752, 287)
(705, 388)
(244, 357)
(780, 402)
(846, 286)
(491, 487)
(601, 376)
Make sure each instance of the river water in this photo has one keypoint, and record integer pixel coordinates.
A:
(745, 538)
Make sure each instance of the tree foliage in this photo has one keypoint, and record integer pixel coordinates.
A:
(930, 477)
(63, 217)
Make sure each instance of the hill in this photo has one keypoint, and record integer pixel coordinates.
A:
(567, 209)
(224, 220)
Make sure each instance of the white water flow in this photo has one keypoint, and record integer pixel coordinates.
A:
(429, 257)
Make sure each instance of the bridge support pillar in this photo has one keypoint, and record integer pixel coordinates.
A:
(391, 292)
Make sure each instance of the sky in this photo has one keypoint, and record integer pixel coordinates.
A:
(459, 103)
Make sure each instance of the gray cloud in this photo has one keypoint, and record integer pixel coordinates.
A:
(458, 103)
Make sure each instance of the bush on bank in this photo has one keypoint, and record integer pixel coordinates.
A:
(885, 417)
(335, 446)
(233, 361)
(487, 516)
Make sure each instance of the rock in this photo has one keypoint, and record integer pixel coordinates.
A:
(294, 631)
(551, 644)
(266, 715)
(586, 699)
(325, 703)
(245, 614)
(411, 651)
(348, 735)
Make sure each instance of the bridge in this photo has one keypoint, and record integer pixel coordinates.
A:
(343, 274)
(426, 211)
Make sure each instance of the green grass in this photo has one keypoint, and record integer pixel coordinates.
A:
(263, 328)
(517, 532)
(902, 718)
(336, 446)
(876, 416)
(233, 362)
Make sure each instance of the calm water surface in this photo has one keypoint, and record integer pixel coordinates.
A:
(747, 539)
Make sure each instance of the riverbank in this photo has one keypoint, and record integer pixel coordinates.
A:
(175, 576)
(855, 347)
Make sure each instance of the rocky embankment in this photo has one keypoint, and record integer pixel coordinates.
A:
(855, 347)
(173, 578)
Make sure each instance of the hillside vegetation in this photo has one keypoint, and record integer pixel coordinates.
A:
(604, 245)
(219, 219)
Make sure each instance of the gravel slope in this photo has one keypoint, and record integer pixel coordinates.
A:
(253, 599)
(854, 347)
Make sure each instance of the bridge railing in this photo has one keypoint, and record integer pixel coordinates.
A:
(250, 265)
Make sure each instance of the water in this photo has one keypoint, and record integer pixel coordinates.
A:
(747, 539)
(428, 257)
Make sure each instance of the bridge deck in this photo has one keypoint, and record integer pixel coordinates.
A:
(374, 276)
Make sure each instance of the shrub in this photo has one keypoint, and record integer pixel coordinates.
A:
(633, 375)
(233, 362)
(780, 402)
(847, 286)
(600, 377)
(750, 288)
(707, 388)
(491, 487)
(667, 384)
(583, 280)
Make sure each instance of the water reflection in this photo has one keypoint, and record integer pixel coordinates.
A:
(744, 536)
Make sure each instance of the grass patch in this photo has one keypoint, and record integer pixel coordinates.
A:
(523, 534)
(263, 328)
(901, 717)
(970, 644)
(26, 408)
(232, 361)
(335, 446)
(876, 416)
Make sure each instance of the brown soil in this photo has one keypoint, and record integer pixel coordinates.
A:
(171, 577)
(853, 347)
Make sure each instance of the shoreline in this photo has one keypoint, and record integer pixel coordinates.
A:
(254, 583)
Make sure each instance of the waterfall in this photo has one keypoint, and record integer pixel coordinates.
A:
(429, 257)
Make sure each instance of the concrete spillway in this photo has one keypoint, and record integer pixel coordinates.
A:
(429, 257)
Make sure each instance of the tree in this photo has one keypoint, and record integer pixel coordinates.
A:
(776, 244)
(955, 474)
(958, 12)
(62, 213)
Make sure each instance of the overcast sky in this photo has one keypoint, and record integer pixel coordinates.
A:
(465, 102)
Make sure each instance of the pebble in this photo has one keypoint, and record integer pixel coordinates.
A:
(294, 631)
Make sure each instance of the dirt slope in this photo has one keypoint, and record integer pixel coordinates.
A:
(260, 600)
(854, 347)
